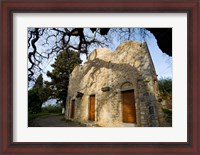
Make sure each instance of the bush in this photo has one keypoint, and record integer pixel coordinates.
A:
(34, 102)
(168, 115)
(165, 87)
(52, 109)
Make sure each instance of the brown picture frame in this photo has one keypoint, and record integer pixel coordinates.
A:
(8, 7)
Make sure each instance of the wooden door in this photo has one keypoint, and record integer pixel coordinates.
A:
(72, 109)
(128, 107)
(92, 108)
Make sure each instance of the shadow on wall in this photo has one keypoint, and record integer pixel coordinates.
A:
(105, 68)
(123, 73)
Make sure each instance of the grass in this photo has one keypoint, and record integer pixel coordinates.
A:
(46, 111)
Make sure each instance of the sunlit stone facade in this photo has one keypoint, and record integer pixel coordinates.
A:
(115, 89)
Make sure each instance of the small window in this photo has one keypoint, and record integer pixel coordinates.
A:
(152, 110)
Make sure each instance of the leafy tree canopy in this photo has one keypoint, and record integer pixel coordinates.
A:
(62, 68)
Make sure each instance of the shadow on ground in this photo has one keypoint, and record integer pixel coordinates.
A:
(53, 121)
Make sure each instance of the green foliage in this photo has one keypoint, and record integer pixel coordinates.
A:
(39, 82)
(165, 87)
(64, 64)
(44, 93)
(34, 102)
(37, 96)
(168, 115)
(52, 109)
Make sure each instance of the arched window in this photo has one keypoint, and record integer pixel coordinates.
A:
(126, 86)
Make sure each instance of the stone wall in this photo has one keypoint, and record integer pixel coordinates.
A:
(106, 74)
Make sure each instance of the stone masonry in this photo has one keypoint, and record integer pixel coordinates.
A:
(106, 75)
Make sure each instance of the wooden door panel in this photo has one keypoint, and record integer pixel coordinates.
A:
(72, 109)
(128, 107)
(92, 108)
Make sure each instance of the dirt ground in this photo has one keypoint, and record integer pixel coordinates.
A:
(53, 121)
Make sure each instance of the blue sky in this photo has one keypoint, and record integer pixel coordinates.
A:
(162, 62)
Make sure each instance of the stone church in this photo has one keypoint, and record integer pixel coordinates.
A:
(115, 89)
